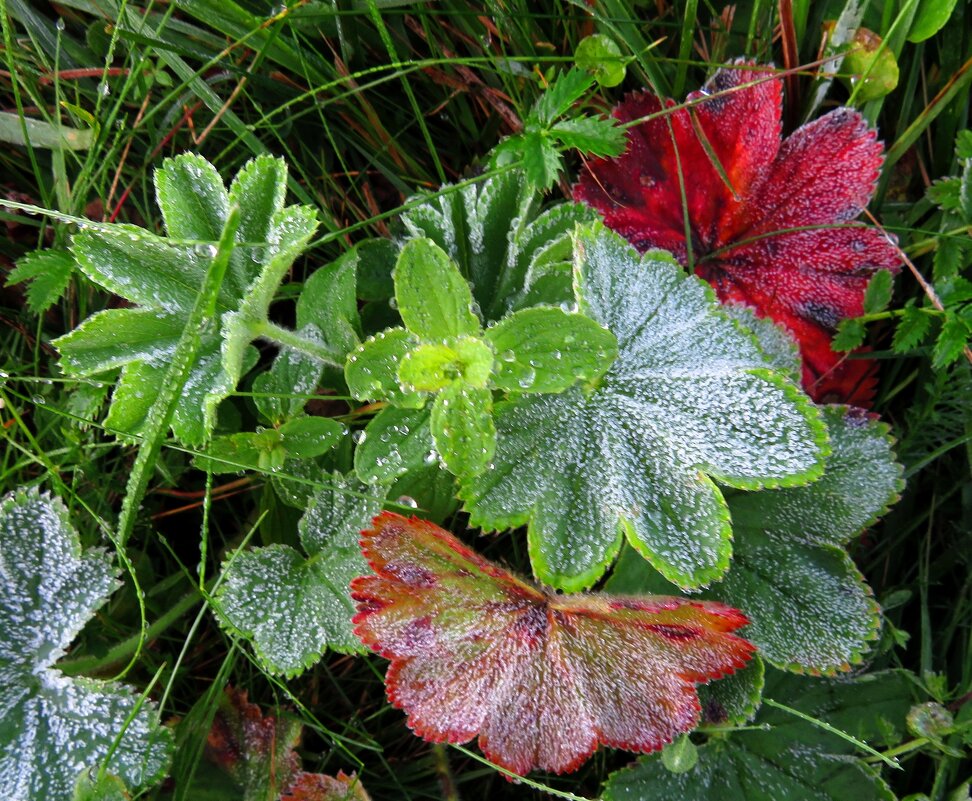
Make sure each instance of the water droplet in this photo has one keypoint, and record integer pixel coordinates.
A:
(104, 89)
(39, 399)
(507, 356)
(407, 500)
(358, 436)
(59, 24)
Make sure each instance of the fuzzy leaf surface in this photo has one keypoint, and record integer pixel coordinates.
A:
(690, 398)
(162, 276)
(53, 727)
(290, 606)
(542, 678)
(809, 606)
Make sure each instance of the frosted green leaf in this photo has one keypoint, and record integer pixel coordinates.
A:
(793, 760)
(434, 300)
(53, 727)
(734, 699)
(495, 233)
(162, 277)
(690, 398)
(774, 340)
(462, 428)
(107, 788)
(293, 374)
(395, 442)
(548, 350)
(290, 606)
(328, 302)
(808, 604)
(371, 370)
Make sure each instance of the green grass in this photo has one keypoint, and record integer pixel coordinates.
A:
(369, 102)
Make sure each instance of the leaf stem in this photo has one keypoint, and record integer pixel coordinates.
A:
(291, 339)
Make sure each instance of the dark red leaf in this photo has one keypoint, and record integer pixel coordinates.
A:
(767, 222)
(542, 678)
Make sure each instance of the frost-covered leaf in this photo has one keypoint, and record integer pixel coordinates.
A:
(52, 726)
(809, 606)
(394, 442)
(328, 302)
(542, 678)
(462, 428)
(734, 699)
(548, 350)
(320, 787)
(371, 370)
(690, 398)
(298, 438)
(162, 277)
(49, 273)
(290, 606)
(278, 391)
(501, 241)
(793, 760)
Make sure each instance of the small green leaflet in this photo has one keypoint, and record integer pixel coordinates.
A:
(444, 351)
(601, 57)
(690, 397)
(161, 276)
(292, 607)
(809, 607)
(53, 726)
(793, 760)
(49, 273)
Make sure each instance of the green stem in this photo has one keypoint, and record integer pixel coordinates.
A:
(124, 649)
(291, 339)
(161, 411)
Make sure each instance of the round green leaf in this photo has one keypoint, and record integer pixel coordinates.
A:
(462, 427)
(371, 370)
(600, 56)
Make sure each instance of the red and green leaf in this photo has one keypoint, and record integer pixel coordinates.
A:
(541, 678)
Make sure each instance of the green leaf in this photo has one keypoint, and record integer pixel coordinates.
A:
(548, 350)
(307, 437)
(563, 92)
(108, 788)
(912, 328)
(371, 370)
(541, 161)
(680, 756)
(963, 144)
(593, 136)
(43, 134)
(601, 57)
(49, 273)
(375, 259)
(734, 699)
(463, 430)
(952, 340)
(877, 296)
(930, 19)
(850, 334)
(163, 278)
(328, 302)
(395, 442)
(808, 605)
(793, 760)
(292, 607)
(243, 451)
(689, 398)
(434, 300)
(54, 726)
(431, 367)
(291, 374)
(775, 341)
(191, 196)
(494, 232)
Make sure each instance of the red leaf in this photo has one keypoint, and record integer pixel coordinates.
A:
(318, 787)
(769, 221)
(542, 678)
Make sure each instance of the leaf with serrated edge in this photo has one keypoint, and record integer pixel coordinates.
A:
(542, 678)
(49, 273)
(689, 398)
(292, 607)
(809, 606)
(395, 442)
(55, 726)
(162, 276)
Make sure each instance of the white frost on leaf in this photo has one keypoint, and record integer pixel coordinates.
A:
(292, 607)
(51, 726)
(690, 398)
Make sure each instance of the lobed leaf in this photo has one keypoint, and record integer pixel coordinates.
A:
(542, 678)
(49, 273)
(689, 398)
(292, 607)
(54, 726)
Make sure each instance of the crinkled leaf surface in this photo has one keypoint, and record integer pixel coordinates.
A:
(51, 726)
(542, 678)
(162, 276)
(689, 398)
(809, 605)
(290, 606)
(501, 241)
(793, 760)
